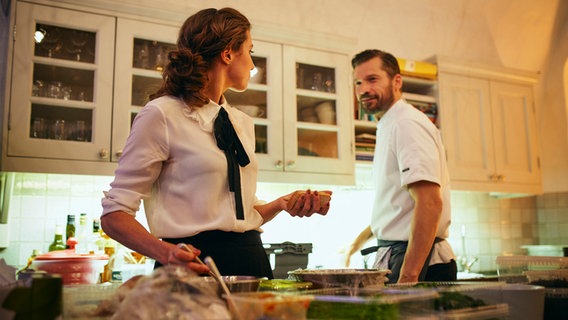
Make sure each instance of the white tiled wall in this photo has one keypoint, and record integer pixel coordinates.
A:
(39, 202)
(492, 226)
(553, 218)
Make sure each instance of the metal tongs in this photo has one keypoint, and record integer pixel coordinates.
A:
(214, 272)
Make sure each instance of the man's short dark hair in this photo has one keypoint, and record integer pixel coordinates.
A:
(390, 64)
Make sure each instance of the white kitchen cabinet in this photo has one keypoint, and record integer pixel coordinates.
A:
(80, 81)
(141, 54)
(489, 131)
(95, 71)
(301, 107)
(61, 88)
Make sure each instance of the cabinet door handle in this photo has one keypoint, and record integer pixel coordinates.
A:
(500, 177)
(491, 177)
(291, 164)
(118, 153)
(103, 154)
(278, 164)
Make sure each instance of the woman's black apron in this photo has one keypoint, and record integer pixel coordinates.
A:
(234, 253)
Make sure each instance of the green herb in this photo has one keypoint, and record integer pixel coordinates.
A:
(456, 300)
(345, 310)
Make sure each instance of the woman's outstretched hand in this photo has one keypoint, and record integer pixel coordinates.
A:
(305, 203)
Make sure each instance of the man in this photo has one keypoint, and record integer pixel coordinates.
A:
(411, 211)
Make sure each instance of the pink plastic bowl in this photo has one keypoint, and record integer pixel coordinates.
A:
(73, 268)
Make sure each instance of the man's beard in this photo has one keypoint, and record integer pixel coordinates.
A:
(381, 103)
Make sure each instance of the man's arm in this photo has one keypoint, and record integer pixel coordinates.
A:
(427, 213)
(358, 243)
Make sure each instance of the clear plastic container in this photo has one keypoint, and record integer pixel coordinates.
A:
(372, 303)
(548, 278)
(491, 312)
(269, 305)
(511, 269)
(350, 278)
(82, 301)
(465, 300)
(338, 303)
(283, 285)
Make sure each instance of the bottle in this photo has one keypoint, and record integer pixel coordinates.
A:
(82, 235)
(70, 229)
(110, 249)
(35, 253)
(57, 243)
(96, 243)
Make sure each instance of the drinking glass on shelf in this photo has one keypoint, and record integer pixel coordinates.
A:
(328, 84)
(66, 92)
(58, 129)
(39, 128)
(38, 88)
(79, 130)
(144, 57)
(78, 40)
(160, 59)
(317, 81)
(52, 41)
(56, 90)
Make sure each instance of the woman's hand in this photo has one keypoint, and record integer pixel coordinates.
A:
(308, 204)
(179, 255)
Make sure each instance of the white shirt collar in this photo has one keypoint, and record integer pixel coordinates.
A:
(390, 111)
(205, 115)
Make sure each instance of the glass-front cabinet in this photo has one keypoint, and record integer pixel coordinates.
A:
(301, 108)
(74, 91)
(78, 79)
(61, 92)
(262, 100)
(138, 72)
(317, 112)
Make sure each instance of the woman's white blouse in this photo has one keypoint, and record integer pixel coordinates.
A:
(172, 162)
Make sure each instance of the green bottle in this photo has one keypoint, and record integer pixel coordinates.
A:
(70, 228)
(58, 243)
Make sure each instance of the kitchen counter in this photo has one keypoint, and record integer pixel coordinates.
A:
(472, 276)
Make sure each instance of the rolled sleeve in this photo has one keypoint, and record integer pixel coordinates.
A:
(140, 165)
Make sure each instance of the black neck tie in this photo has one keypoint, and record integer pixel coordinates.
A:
(228, 141)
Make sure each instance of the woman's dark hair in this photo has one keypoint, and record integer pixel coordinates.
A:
(390, 64)
(201, 38)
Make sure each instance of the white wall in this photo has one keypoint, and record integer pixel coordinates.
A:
(493, 226)
(552, 95)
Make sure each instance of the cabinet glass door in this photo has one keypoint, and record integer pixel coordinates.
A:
(317, 112)
(142, 50)
(61, 84)
(263, 102)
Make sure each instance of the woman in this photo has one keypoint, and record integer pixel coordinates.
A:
(172, 159)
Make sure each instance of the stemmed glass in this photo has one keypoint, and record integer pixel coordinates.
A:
(52, 41)
(78, 39)
(161, 59)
